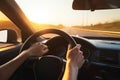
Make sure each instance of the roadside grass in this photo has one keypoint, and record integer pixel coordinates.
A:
(46, 26)
(113, 26)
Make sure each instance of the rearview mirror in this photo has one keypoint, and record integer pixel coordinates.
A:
(95, 4)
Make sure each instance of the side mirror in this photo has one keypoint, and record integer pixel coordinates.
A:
(3, 35)
(8, 36)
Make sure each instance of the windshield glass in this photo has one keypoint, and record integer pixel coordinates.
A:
(59, 14)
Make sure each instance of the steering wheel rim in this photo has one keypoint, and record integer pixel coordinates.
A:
(32, 38)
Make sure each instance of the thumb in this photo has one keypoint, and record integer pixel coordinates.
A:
(69, 46)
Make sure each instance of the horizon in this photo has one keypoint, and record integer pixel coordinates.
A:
(117, 21)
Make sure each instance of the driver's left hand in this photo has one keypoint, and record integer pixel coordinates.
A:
(37, 49)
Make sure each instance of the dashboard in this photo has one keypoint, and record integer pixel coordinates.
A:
(103, 52)
(107, 52)
(103, 56)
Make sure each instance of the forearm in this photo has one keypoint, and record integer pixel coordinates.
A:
(9, 68)
(71, 72)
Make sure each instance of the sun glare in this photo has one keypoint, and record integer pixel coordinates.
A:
(61, 12)
(3, 17)
(41, 11)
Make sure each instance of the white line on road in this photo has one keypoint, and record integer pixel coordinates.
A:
(112, 32)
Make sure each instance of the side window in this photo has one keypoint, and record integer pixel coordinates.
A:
(9, 33)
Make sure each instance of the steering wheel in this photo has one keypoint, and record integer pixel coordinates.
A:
(48, 67)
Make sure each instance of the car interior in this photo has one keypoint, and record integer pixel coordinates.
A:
(101, 53)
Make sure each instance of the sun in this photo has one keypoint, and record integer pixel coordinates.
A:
(40, 12)
(42, 17)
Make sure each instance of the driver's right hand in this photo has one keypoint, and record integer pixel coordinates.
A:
(75, 57)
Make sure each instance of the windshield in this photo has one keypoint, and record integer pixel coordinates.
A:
(59, 14)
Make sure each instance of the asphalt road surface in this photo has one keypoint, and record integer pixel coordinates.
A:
(93, 33)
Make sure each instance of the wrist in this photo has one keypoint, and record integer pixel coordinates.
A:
(26, 53)
(71, 71)
(72, 65)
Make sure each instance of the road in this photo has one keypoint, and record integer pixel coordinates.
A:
(95, 33)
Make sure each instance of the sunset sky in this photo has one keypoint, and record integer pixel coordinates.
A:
(61, 12)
